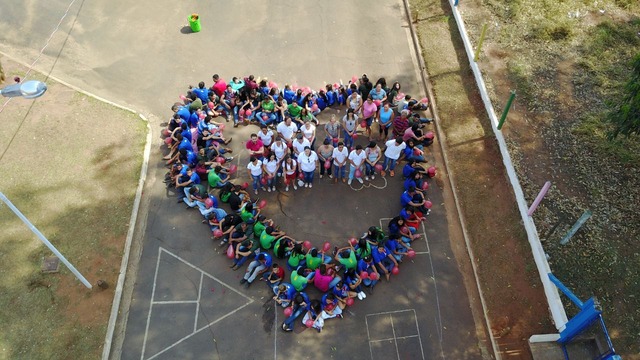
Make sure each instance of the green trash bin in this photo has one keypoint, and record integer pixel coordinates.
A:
(194, 22)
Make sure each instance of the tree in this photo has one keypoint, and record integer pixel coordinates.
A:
(625, 112)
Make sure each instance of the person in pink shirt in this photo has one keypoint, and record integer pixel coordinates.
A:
(323, 279)
(255, 147)
(369, 110)
(219, 85)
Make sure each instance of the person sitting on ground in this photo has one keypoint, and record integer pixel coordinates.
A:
(346, 256)
(398, 249)
(313, 259)
(183, 183)
(243, 252)
(363, 249)
(342, 293)
(296, 257)
(384, 260)
(282, 247)
(217, 177)
(325, 278)
(366, 265)
(258, 266)
(300, 306)
(313, 314)
(300, 279)
(227, 226)
(269, 237)
(284, 294)
(240, 233)
(274, 276)
(330, 307)
(353, 280)
(195, 195)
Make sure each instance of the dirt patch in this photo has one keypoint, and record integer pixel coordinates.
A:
(516, 305)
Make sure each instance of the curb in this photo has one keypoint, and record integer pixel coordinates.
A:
(428, 88)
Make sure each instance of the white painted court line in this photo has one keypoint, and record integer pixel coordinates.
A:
(197, 302)
(394, 338)
(153, 293)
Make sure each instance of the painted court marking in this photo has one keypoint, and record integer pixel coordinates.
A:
(435, 283)
(395, 338)
(162, 250)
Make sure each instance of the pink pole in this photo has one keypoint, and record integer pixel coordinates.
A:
(539, 198)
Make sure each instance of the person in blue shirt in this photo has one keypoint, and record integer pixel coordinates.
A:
(396, 248)
(330, 307)
(301, 304)
(284, 294)
(288, 94)
(258, 266)
(384, 260)
(201, 92)
(366, 265)
(353, 280)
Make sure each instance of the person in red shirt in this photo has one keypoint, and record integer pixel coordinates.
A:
(219, 85)
(255, 147)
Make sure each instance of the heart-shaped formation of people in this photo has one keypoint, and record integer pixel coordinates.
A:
(285, 148)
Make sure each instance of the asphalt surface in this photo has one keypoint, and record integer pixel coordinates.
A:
(186, 302)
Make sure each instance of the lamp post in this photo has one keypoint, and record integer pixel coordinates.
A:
(29, 89)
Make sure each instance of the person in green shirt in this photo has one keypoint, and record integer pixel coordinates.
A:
(299, 280)
(283, 246)
(347, 257)
(314, 259)
(247, 212)
(214, 177)
(259, 226)
(269, 236)
(294, 110)
(296, 258)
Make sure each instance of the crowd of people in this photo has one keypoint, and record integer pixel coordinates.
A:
(284, 151)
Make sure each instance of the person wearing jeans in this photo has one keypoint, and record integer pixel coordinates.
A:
(308, 162)
(300, 306)
(392, 154)
(340, 154)
(255, 171)
(261, 263)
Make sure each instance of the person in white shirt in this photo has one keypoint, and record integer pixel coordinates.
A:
(286, 129)
(309, 133)
(340, 154)
(255, 171)
(290, 168)
(356, 160)
(308, 162)
(279, 148)
(299, 144)
(266, 135)
(270, 167)
(391, 155)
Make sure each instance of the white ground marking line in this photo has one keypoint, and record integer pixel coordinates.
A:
(275, 330)
(366, 322)
(415, 317)
(153, 292)
(195, 322)
(395, 340)
(397, 337)
(202, 274)
(175, 302)
(390, 313)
